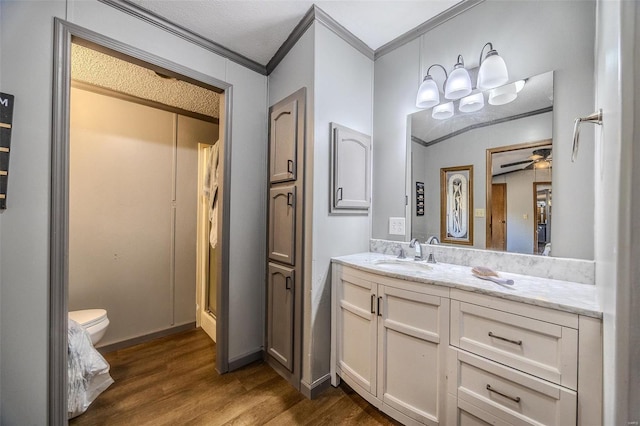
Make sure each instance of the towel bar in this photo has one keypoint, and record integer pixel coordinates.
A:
(595, 118)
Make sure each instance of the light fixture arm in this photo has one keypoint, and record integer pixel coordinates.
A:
(437, 65)
(482, 51)
(460, 62)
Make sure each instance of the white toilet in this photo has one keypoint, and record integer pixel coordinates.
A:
(95, 321)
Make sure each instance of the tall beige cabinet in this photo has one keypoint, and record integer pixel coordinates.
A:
(284, 240)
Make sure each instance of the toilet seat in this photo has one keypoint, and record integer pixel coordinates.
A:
(88, 317)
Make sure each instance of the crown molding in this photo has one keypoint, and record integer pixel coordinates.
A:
(319, 15)
(314, 14)
(427, 26)
(177, 30)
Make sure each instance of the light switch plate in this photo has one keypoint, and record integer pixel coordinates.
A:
(396, 226)
(479, 213)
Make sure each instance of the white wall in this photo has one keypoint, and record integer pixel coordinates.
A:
(617, 210)
(344, 95)
(538, 37)
(27, 49)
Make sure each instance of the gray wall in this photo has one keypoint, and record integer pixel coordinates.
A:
(26, 33)
(343, 94)
(538, 37)
(123, 240)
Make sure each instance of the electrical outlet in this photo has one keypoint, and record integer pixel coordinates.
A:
(396, 226)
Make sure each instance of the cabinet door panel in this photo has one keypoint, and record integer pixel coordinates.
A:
(515, 397)
(282, 224)
(356, 351)
(537, 347)
(283, 142)
(412, 342)
(351, 169)
(280, 306)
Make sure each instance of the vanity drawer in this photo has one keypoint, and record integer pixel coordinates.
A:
(500, 392)
(546, 350)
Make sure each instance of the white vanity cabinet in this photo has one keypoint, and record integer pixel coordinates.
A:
(437, 354)
(390, 342)
(517, 364)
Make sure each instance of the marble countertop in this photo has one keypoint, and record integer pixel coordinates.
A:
(565, 296)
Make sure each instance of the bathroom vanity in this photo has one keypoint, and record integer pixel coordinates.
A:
(432, 344)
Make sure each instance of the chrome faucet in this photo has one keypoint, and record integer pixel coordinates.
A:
(416, 244)
(433, 240)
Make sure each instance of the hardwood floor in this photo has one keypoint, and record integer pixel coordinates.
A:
(172, 381)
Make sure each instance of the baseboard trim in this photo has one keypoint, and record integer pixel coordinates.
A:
(243, 360)
(316, 388)
(146, 338)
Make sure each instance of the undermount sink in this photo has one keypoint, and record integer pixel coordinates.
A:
(402, 265)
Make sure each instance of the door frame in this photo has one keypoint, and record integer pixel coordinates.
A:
(489, 177)
(64, 33)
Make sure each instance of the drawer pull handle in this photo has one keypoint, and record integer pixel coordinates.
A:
(373, 308)
(515, 342)
(490, 389)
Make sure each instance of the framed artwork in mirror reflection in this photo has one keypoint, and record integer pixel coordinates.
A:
(456, 205)
(419, 198)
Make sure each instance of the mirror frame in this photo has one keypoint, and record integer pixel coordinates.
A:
(489, 178)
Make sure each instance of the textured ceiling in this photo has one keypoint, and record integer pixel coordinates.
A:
(257, 28)
(98, 69)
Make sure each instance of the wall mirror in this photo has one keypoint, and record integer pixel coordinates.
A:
(510, 147)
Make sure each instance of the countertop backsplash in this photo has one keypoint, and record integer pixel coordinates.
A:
(565, 269)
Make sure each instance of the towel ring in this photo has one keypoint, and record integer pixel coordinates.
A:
(595, 118)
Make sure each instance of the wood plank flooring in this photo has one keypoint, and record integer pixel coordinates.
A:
(172, 381)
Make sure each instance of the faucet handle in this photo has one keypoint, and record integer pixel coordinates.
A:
(402, 254)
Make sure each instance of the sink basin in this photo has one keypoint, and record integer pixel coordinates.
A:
(402, 265)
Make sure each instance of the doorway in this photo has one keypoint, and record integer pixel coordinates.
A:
(65, 35)
(498, 217)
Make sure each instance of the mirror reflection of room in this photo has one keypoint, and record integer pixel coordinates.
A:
(510, 147)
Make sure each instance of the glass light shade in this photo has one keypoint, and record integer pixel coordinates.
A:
(442, 112)
(472, 103)
(458, 84)
(428, 94)
(519, 85)
(492, 72)
(503, 94)
(542, 164)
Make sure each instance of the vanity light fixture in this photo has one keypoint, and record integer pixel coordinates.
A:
(458, 84)
(492, 74)
(428, 93)
(472, 103)
(442, 111)
(493, 70)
